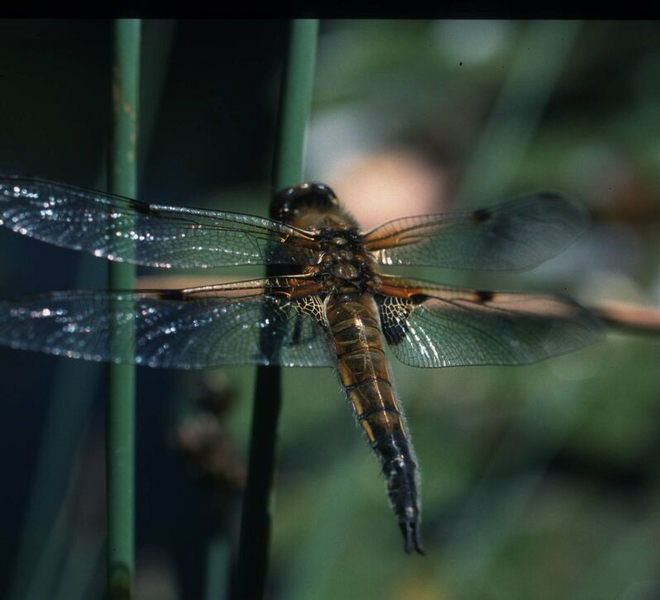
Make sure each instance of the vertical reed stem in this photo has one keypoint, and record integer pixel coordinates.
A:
(295, 105)
(120, 418)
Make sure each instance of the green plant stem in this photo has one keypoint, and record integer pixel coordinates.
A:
(295, 104)
(258, 501)
(120, 419)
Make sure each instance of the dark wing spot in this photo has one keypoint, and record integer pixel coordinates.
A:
(417, 299)
(481, 214)
(141, 207)
(168, 295)
(484, 295)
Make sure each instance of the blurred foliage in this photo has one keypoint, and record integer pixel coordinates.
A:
(538, 482)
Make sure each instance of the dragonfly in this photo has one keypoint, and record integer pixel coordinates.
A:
(330, 304)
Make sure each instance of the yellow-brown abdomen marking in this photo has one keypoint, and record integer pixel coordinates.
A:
(376, 409)
(363, 367)
(363, 371)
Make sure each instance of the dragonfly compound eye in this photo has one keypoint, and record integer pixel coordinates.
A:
(289, 201)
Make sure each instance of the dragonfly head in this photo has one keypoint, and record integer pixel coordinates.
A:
(291, 202)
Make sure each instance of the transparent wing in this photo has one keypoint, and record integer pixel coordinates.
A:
(121, 229)
(514, 235)
(201, 327)
(433, 326)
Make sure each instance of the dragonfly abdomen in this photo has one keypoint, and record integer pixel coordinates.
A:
(364, 373)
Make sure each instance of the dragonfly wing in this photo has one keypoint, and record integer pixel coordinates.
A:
(121, 229)
(434, 326)
(514, 235)
(195, 328)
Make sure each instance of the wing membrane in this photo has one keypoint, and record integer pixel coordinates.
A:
(514, 235)
(122, 229)
(195, 328)
(434, 326)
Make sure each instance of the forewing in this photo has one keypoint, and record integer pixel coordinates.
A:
(121, 229)
(205, 327)
(433, 326)
(514, 235)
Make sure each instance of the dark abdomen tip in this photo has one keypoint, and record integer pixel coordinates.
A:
(412, 537)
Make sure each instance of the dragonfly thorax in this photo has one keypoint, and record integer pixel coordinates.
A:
(344, 263)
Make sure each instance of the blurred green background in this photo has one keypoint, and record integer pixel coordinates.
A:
(538, 482)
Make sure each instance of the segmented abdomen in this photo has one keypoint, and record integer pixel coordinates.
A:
(364, 373)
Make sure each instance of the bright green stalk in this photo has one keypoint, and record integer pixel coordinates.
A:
(295, 104)
(120, 421)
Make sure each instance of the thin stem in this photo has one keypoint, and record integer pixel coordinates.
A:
(120, 421)
(295, 104)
